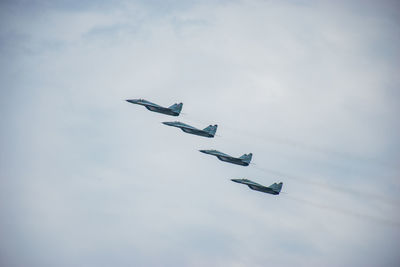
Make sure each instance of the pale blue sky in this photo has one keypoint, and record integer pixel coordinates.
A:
(309, 87)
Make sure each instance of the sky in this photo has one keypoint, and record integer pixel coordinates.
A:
(311, 88)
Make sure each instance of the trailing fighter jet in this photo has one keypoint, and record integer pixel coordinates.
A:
(273, 189)
(173, 110)
(206, 132)
(243, 160)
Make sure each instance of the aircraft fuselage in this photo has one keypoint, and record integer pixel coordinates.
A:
(162, 110)
(233, 160)
(263, 189)
(196, 132)
(154, 107)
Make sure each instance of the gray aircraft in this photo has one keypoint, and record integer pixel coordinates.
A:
(173, 110)
(273, 189)
(206, 132)
(243, 160)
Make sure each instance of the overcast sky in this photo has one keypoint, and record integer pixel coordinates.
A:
(311, 88)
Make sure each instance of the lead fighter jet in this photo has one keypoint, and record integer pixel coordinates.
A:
(243, 160)
(173, 110)
(206, 132)
(273, 189)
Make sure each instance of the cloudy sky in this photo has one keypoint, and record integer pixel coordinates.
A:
(311, 88)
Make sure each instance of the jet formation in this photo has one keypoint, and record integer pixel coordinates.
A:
(209, 132)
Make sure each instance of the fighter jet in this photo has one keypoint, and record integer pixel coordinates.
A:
(243, 160)
(273, 189)
(173, 110)
(206, 132)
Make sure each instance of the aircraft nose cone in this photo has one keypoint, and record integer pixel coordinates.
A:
(167, 123)
(133, 101)
(235, 180)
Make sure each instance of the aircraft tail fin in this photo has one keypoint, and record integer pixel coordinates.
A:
(176, 107)
(212, 129)
(276, 187)
(246, 157)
